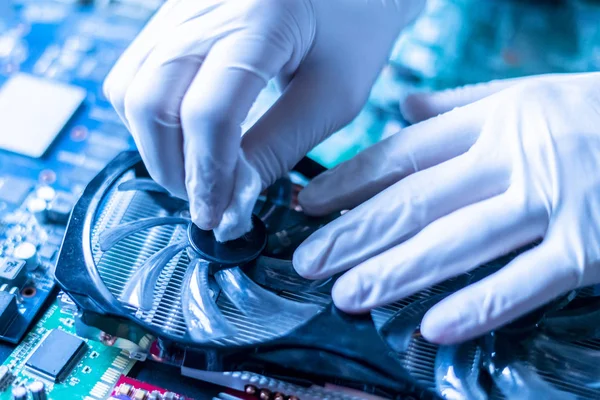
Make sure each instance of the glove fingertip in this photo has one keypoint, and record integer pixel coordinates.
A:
(348, 294)
(310, 202)
(417, 107)
(204, 216)
(442, 326)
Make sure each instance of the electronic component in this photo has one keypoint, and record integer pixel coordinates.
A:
(125, 389)
(105, 364)
(129, 388)
(37, 207)
(38, 390)
(13, 190)
(6, 377)
(8, 309)
(47, 252)
(19, 393)
(12, 271)
(59, 209)
(140, 394)
(33, 111)
(28, 253)
(45, 193)
(56, 356)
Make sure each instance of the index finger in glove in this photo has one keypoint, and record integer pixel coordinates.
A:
(117, 82)
(418, 107)
(218, 100)
(413, 149)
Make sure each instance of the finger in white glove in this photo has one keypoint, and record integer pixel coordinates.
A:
(188, 82)
(531, 173)
(418, 107)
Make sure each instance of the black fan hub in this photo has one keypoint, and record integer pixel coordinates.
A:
(233, 253)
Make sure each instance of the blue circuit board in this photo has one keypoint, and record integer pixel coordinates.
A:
(74, 44)
(56, 54)
(69, 46)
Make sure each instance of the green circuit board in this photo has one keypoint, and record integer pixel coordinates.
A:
(91, 378)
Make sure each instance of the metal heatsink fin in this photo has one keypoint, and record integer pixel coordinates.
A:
(203, 318)
(143, 184)
(112, 236)
(139, 291)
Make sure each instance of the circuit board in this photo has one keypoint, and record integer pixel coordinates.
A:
(91, 377)
(27, 289)
(57, 129)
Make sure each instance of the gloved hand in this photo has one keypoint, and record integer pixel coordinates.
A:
(442, 197)
(187, 82)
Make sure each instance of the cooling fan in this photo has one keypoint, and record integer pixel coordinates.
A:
(139, 270)
(144, 277)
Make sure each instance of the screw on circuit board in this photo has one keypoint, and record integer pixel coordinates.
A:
(279, 396)
(265, 394)
(250, 389)
(293, 398)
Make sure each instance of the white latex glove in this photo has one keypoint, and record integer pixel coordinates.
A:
(461, 189)
(187, 82)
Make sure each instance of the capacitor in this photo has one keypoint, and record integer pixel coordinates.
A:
(45, 193)
(27, 252)
(59, 209)
(38, 390)
(39, 208)
(250, 389)
(125, 389)
(155, 395)
(140, 394)
(265, 394)
(19, 393)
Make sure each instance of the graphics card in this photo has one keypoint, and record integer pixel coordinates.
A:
(147, 280)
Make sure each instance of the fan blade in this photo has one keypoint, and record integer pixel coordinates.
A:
(572, 363)
(513, 374)
(277, 274)
(279, 197)
(203, 318)
(112, 236)
(518, 381)
(143, 184)
(399, 330)
(577, 323)
(249, 297)
(457, 372)
(139, 291)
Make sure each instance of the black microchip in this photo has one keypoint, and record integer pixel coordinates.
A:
(57, 355)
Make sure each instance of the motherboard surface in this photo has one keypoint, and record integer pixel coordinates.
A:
(57, 132)
(68, 366)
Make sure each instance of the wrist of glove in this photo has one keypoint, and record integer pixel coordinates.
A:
(513, 162)
(187, 82)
